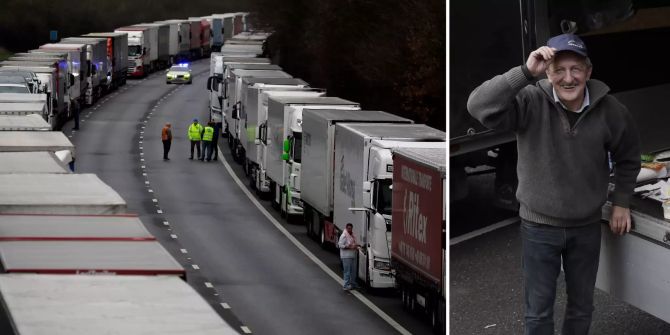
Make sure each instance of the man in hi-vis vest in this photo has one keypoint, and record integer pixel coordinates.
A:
(207, 137)
(195, 135)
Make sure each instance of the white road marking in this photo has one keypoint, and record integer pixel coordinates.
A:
(144, 166)
(159, 211)
(173, 236)
(141, 148)
(154, 200)
(483, 231)
(246, 330)
(141, 159)
(208, 284)
(308, 253)
(151, 191)
(144, 174)
(225, 305)
(184, 251)
(146, 182)
(196, 267)
(166, 223)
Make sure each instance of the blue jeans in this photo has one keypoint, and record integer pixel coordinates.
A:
(544, 247)
(349, 272)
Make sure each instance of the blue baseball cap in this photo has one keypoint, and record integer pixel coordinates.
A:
(195, 120)
(568, 42)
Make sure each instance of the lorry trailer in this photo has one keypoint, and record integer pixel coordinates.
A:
(117, 52)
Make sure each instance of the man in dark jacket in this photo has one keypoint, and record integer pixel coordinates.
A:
(566, 128)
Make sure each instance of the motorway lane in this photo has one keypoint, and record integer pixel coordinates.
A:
(242, 260)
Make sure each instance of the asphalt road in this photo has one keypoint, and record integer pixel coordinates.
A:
(485, 284)
(247, 268)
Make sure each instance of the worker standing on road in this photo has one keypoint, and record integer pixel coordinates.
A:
(207, 137)
(566, 126)
(348, 250)
(166, 137)
(195, 135)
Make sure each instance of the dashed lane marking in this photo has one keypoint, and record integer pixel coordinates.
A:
(225, 305)
(308, 253)
(209, 285)
(246, 330)
(488, 229)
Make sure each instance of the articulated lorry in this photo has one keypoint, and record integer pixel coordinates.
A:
(100, 66)
(180, 42)
(140, 46)
(284, 145)
(216, 25)
(79, 90)
(30, 122)
(31, 162)
(418, 235)
(203, 36)
(35, 104)
(195, 39)
(254, 136)
(117, 52)
(361, 173)
(232, 88)
(162, 31)
(34, 84)
(254, 120)
(54, 77)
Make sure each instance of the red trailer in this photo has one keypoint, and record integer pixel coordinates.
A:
(419, 231)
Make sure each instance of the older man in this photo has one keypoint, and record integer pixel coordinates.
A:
(566, 128)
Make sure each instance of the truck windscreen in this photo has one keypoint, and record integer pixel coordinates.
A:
(134, 50)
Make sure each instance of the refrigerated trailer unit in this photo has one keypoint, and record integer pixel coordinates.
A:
(70, 227)
(139, 50)
(101, 67)
(78, 305)
(117, 51)
(418, 235)
(32, 122)
(57, 194)
(31, 162)
(284, 142)
(77, 56)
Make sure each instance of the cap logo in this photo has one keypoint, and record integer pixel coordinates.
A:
(575, 44)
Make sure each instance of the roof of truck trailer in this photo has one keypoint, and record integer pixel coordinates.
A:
(106, 34)
(103, 304)
(31, 162)
(84, 39)
(313, 100)
(253, 66)
(69, 227)
(23, 98)
(132, 28)
(32, 122)
(22, 107)
(274, 81)
(355, 115)
(433, 157)
(391, 131)
(146, 257)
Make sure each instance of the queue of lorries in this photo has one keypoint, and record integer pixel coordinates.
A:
(73, 260)
(75, 72)
(324, 161)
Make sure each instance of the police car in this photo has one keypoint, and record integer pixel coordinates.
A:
(179, 74)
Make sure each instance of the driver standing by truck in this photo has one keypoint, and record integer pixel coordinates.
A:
(566, 126)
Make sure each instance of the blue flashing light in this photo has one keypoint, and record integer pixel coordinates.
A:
(182, 64)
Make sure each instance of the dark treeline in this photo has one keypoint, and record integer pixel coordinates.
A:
(387, 55)
(25, 24)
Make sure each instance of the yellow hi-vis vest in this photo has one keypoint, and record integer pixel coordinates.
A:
(194, 131)
(209, 134)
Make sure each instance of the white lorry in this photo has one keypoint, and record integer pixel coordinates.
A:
(360, 168)
(180, 43)
(162, 31)
(52, 79)
(32, 104)
(215, 82)
(255, 124)
(117, 51)
(100, 64)
(77, 57)
(140, 55)
(284, 142)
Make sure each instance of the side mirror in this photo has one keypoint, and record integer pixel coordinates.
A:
(94, 69)
(236, 113)
(367, 195)
(286, 146)
(209, 83)
(71, 79)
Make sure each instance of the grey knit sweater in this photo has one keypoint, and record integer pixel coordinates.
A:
(563, 171)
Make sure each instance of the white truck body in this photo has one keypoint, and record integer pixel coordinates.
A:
(53, 141)
(31, 162)
(58, 194)
(52, 227)
(53, 89)
(242, 50)
(151, 36)
(77, 56)
(117, 53)
(216, 24)
(256, 131)
(363, 173)
(25, 108)
(162, 31)
(100, 64)
(284, 129)
(139, 50)
(215, 83)
(180, 42)
(30, 122)
(82, 305)
(233, 74)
